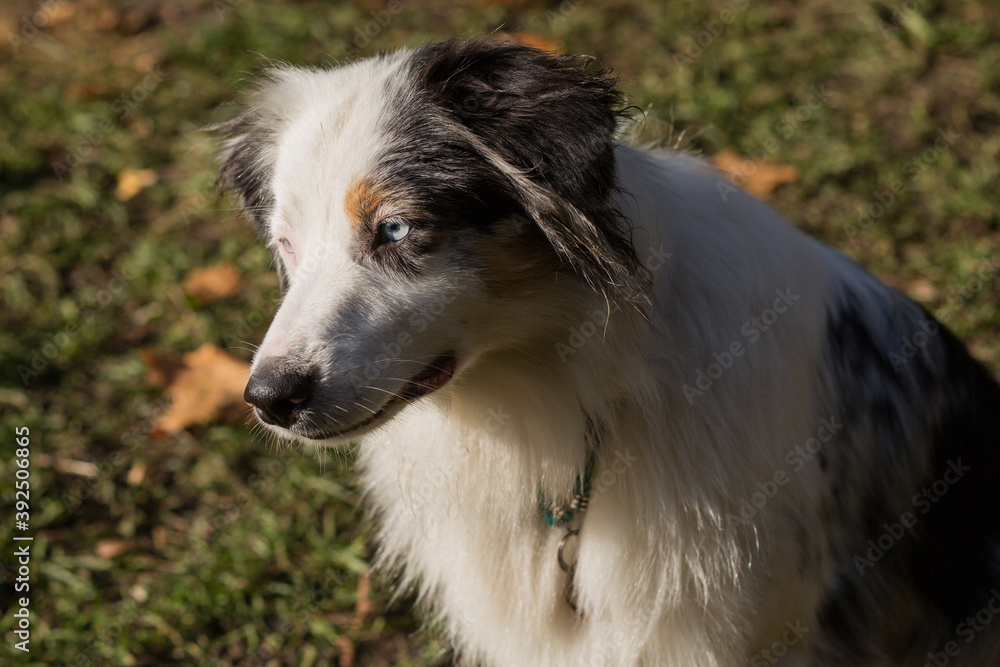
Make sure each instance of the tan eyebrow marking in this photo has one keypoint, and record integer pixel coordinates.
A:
(362, 200)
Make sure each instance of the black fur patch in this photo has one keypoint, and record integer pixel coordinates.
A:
(242, 170)
(958, 560)
(437, 184)
(914, 404)
(552, 119)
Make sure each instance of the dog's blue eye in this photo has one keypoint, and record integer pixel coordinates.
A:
(394, 230)
(287, 246)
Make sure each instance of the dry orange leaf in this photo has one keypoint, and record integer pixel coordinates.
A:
(87, 90)
(364, 608)
(347, 654)
(537, 41)
(206, 389)
(160, 368)
(60, 12)
(213, 283)
(136, 473)
(112, 548)
(132, 181)
(757, 177)
(922, 289)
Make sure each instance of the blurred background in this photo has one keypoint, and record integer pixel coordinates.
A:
(131, 294)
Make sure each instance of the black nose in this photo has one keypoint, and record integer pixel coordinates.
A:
(278, 389)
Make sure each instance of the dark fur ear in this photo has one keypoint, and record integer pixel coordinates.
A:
(553, 119)
(244, 168)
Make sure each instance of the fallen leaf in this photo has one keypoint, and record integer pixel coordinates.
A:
(363, 608)
(130, 19)
(132, 181)
(68, 466)
(161, 368)
(923, 290)
(537, 41)
(159, 535)
(139, 593)
(346, 648)
(15, 399)
(207, 388)
(112, 548)
(87, 90)
(109, 19)
(60, 12)
(757, 177)
(213, 283)
(136, 473)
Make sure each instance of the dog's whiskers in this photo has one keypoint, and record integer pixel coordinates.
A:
(391, 393)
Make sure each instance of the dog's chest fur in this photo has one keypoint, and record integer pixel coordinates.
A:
(662, 575)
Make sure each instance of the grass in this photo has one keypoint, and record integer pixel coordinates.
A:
(208, 548)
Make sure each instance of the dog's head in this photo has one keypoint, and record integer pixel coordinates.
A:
(425, 208)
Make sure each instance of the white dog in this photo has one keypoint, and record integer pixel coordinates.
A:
(611, 410)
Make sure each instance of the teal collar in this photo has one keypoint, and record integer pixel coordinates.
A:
(557, 514)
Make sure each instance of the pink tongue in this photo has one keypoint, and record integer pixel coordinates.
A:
(442, 373)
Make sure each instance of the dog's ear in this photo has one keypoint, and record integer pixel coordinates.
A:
(245, 168)
(550, 121)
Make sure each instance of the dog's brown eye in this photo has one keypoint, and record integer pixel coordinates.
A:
(394, 230)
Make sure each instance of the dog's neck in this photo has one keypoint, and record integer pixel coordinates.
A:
(548, 403)
(456, 481)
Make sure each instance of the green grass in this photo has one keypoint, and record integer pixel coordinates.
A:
(234, 553)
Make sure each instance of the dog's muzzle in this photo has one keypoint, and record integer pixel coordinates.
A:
(290, 396)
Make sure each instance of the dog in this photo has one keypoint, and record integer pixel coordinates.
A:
(610, 409)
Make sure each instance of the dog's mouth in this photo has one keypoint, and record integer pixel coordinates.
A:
(433, 376)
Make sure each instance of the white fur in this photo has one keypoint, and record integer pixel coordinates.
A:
(458, 501)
